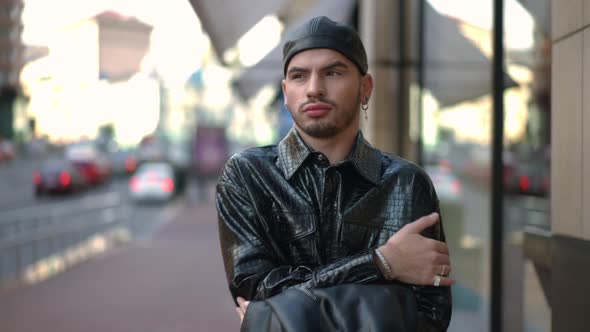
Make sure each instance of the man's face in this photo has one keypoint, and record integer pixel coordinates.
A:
(323, 91)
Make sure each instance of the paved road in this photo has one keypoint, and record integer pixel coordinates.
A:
(16, 182)
(170, 281)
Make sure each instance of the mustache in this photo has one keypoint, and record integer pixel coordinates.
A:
(317, 100)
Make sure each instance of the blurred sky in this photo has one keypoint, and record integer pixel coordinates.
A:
(42, 16)
(178, 44)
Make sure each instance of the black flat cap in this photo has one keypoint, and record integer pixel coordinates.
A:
(322, 32)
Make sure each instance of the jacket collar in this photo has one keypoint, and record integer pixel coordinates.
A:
(365, 158)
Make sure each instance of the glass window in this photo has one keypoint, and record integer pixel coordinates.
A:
(456, 131)
(527, 55)
(456, 107)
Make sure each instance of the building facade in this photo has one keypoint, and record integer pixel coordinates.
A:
(570, 164)
(98, 82)
(11, 62)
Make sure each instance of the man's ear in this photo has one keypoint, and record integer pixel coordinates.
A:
(367, 85)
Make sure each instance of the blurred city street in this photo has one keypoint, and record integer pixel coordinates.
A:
(117, 117)
(166, 276)
(157, 267)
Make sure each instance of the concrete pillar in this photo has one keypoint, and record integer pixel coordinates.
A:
(378, 32)
(570, 165)
(392, 62)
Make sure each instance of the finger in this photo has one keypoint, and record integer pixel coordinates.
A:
(448, 270)
(243, 303)
(240, 313)
(439, 258)
(421, 224)
(445, 281)
(444, 270)
(440, 269)
(440, 246)
(441, 281)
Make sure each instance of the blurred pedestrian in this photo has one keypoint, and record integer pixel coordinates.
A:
(324, 207)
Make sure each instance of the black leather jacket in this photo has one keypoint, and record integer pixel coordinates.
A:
(288, 218)
(343, 308)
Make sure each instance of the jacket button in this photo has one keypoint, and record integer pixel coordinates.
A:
(323, 160)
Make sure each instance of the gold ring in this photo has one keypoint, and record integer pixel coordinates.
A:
(436, 280)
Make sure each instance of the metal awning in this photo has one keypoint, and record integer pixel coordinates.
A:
(455, 70)
(269, 69)
(540, 10)
(225, 21)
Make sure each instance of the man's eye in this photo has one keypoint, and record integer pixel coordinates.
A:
(333, 73)
(296, 76)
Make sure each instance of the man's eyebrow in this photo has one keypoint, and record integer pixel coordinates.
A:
(332, 65)
(296, 69)
(335, 64)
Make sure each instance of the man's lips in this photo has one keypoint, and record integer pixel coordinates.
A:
(316, 109)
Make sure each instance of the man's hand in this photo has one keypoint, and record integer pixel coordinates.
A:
(241, 310)
(415, 259)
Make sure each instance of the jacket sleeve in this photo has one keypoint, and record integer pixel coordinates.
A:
(254, 270)
(434, 304)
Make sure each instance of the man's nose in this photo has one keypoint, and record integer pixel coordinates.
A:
(316, 87)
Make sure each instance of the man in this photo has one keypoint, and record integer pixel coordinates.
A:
(324, 207)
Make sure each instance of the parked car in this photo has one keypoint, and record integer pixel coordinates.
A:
(151, 149)
(7, 151)
(90, 161)
(446, 183)
(153, 181)
(57, 176)
(528, 172)
(527, 178)
(123, 162)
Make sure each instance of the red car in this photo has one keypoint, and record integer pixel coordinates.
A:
(94, 166)
(57, 176)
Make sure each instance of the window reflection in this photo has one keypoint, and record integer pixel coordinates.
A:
(527, 164)
(456, 135)
(457, 115)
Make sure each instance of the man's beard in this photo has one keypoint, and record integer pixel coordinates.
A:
(324, 128)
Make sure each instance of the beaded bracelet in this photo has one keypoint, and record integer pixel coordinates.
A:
(384, 264)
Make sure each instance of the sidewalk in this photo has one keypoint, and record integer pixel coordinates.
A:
(173, 282)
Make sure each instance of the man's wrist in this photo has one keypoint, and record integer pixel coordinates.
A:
(383, 265)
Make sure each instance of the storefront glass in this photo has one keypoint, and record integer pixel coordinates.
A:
(527, 46)
(456, 107)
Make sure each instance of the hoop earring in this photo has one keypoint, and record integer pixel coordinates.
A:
(365, 107)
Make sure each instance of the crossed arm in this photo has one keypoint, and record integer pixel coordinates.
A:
(255, 272)
(253, 266)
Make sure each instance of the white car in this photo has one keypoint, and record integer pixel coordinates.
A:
(153, 181)
(448, 186)
(451, 193)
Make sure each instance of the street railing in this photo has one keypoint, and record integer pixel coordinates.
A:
(36, 244)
